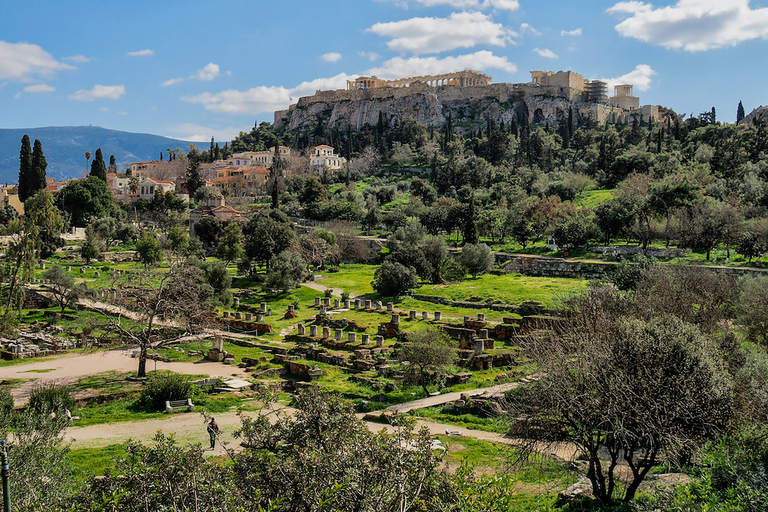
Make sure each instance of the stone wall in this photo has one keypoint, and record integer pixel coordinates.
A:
(556, 267)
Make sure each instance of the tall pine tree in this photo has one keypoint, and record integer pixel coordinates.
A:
(25, 168)
(98, 168)
(37, 173)
(194, 179)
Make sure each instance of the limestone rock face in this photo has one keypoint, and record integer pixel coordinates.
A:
(469, 107)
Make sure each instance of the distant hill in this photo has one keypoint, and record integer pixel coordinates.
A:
(65, 147)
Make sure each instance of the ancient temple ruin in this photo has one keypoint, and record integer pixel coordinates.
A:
(466, 78)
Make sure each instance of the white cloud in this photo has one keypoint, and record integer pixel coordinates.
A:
(502, 5)
(141, 53)
(331, 57)
(104, 109)
(22, 62)
(575, 32)
(262, 98)
(415, 66)
(525, 27)
(208, 73)
(198, 133)
(111, 92)
(172, 81)
(39, 88)
(79, 59)
(435, 35)
(692, 25)
(35, 89)
(640, 77)
(371, 56)
(546, 53)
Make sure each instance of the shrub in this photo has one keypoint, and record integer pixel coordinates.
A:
(162, 387)
(393, 279)
(477, 258)
(50, 398)
(6, 404)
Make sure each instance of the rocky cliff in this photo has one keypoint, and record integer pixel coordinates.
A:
(469, 106)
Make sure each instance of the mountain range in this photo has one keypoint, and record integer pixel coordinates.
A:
(65, 146)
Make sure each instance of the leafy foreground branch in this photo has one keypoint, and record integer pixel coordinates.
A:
(322, 458)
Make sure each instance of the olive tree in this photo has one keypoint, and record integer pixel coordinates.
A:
(427, 352)
(626, 392)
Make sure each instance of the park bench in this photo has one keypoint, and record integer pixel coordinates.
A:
(171, 405)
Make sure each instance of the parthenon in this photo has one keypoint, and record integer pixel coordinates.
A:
(466, 78)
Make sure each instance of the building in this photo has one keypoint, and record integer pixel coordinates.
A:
(623, 98)
(118, 184)
(214, 207)
(148, 187)
(466, 78)
(9, 196)
(241, 181)
(323, 158)
(264, 158)
(558, 79)
(595, 91)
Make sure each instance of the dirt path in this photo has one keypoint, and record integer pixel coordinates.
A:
(432, 401)
(71, 367)
(336, 292)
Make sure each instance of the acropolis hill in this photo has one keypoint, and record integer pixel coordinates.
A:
(471, 98)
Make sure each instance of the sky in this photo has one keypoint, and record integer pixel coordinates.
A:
(194, 70)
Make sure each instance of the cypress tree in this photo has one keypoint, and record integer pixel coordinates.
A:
(739, 112)
(211, 152)
(37, 174)
(194, 179)
(97, 166)
(112, 164)
(25, 167)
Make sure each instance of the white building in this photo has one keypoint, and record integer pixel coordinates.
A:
(323, 158)
(149, 187)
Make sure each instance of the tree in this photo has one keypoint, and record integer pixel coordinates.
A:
(195, 180)
(230, 246)
(739, 113)
(428, 352)
(750, 245)
(85, 200)
(324, 458)
(37, 181)
(112, 164)
(267, 234)
(286, 271)
(148, 249)
(208, 230)
(634, 392)
(165, 308)
(477, 258)
(752, 308)
(98, 168)
(87, 160)
(89, 249)
(25, 168)
(393, 279)
(44, 220)
(62, 286)
(435, 253)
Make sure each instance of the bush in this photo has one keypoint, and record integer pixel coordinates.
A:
(163, 387)
(50, 398)
(477, 258)
(393, 279)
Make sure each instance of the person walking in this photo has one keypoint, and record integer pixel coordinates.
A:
(213, 431)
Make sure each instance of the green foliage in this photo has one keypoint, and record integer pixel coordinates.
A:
(89, 249)
(428, 352)
(44, 220)
(86, 199)
(36, 181)
(627, 275)
(98, 167)
(50, 398)
(148, 249)
(393, 279)
(25, 169)
(478, 259)
(6, 406)
(161, 387)
(286, 271)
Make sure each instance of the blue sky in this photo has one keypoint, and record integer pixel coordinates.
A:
(191, 69)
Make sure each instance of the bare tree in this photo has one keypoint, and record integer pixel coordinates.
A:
(160, 308)
(625, 392)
